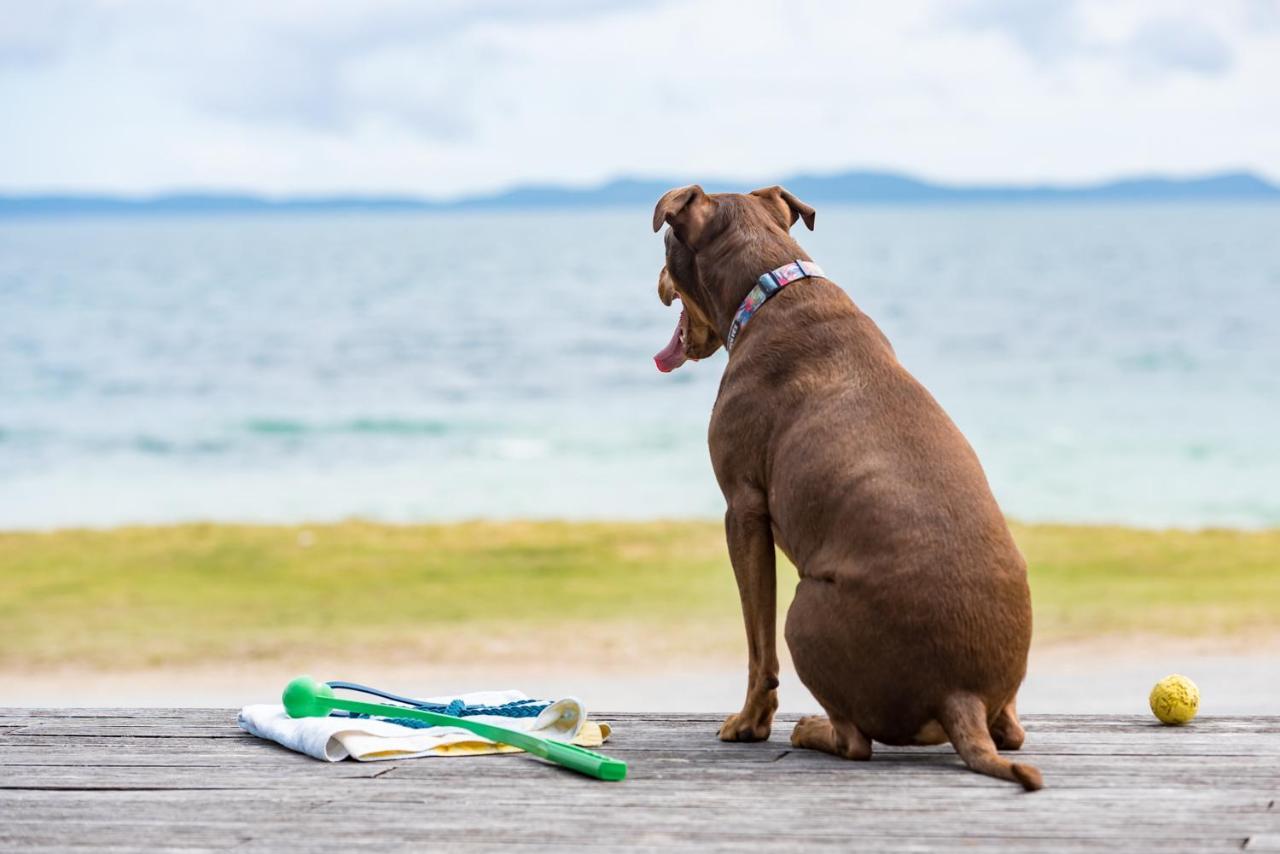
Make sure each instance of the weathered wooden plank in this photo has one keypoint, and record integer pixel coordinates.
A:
(53, 752)
(588, 836)
(1042, 730)
(1078, 723)
(649, 742)
(641, 736)
(781, 765)
(966, 793)
(457, 811)
(128, 779)
(560, 831)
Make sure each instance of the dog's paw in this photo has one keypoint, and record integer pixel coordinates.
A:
(1007, 732)
(1008, 737)
(816, 732)
(813, 731)
(745, 727)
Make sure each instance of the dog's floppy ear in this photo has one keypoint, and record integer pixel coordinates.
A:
(688, 210)
(787, 205)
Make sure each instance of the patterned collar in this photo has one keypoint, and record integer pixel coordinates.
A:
(768, 285)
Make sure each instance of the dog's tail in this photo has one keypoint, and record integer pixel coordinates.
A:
(964, 717)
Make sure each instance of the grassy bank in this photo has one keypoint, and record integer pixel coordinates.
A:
(175, 595)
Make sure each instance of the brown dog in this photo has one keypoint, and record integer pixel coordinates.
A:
(912, 618)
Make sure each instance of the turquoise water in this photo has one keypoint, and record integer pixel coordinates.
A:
(1113, 363)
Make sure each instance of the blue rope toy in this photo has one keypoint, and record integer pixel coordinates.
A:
(455, 708)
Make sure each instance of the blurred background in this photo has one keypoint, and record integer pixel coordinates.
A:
(326, 330)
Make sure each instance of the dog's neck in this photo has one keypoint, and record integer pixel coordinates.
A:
(730, 267)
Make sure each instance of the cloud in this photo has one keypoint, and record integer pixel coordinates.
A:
(453, 96)
(1180, 43)
(322, 66)
(1045, 31)
(34, 34)
(407, 63)
(1058, 30)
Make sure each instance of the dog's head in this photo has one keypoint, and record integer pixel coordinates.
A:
(698, 221)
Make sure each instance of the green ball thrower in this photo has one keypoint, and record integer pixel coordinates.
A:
(304, 697)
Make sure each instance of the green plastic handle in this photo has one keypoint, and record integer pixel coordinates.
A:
(304, 697)
(584, 761)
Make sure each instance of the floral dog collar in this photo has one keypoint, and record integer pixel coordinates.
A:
(768, 285)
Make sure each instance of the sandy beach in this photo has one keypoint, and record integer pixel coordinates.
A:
(1112, 675)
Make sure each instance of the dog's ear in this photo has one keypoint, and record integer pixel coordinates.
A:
(787, 205)
(688, 210)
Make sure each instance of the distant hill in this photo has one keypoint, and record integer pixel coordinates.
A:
(860, 187)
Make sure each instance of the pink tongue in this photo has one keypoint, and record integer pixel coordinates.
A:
(672, 356)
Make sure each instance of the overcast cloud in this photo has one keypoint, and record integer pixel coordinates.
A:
(444, 98)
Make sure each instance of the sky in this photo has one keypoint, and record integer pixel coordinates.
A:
(456, 97)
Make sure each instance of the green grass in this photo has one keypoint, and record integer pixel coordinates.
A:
(177, 595)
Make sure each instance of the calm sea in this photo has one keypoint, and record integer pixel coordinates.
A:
(1110, 364)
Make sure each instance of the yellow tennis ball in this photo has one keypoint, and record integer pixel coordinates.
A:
(1175, 699)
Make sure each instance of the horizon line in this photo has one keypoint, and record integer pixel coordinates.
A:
(852, 185)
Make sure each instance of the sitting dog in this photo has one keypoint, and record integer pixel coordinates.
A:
(912, 618)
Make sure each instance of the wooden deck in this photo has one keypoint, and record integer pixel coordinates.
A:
(122, 778)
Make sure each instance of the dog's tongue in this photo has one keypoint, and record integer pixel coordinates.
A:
(672, 356)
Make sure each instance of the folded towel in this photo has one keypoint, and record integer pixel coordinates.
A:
(333, 739)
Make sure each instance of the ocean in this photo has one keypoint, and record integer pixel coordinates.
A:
(1110, 363)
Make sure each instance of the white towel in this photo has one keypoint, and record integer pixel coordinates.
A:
(334, 739)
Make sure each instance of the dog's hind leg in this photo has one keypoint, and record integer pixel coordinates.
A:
(839, 739)
(1006, 731)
